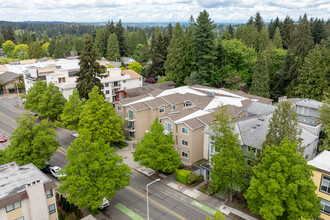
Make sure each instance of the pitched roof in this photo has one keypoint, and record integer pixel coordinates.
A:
(156, 103)
(139, 106)
(7, 77)
(321, 161)
(254, 97)
(256, 108)
(153, 89)
(132, 73)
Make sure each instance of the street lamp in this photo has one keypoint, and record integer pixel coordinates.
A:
(148, 196)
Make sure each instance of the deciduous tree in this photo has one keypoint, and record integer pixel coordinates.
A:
(282, 185)
(35, 51)
(35, 95)
(8, 48)
(71, 111)
(94, 171)
(135, 66)
(156, 151)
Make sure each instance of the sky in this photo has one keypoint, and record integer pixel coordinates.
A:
(136, 11)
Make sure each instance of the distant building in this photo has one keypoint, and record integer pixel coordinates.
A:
(127, 60)
(26, 193)
(321, 179)
(8, 81)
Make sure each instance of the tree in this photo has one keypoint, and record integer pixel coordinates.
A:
(94, 171)
(262, 39)
(52, 102)
(175, 65)
(100, 119)
(204, 49)
(61, 50)
(135, 66)
(90, 71)
(120, 32)
(231, 31)
(284, 124)
(282, 185)
(286, 32)
(72, 111)
(113, 48)
(156, 151)
(217, 216)
(277, 40)
(100, 43)
(2, 40)
(325, 117)
(8, 32)
(8, 48)
(258, 22)
(260, 78)
(44, 49)
(32, 142)
(35, 51)
(273, 25)
(21, 50)
(229, 164)
(249, 34)
(318, 30)
(314, 74)
(35, 95)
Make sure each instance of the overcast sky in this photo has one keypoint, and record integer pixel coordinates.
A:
(157, 10)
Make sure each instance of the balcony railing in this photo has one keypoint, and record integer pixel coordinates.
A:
(129, 117)
(130, 127)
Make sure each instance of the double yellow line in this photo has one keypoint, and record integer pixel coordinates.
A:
(61, 150)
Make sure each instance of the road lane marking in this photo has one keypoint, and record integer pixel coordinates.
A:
(8, 117)
(60, 151)
(128, 212)
(153, 201)
(64, 150)
(203, 207)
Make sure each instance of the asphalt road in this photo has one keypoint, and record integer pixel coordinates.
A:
(164, 203)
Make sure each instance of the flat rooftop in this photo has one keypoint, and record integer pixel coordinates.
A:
(14, 178)
(309, 120)
(321, 161)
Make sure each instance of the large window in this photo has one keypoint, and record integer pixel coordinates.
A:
(184, 154)
(13, 206)
(172, 107)
(325, 206)
(130, 114)
(325, 184)
(51, 209)
(184, 130)
(168, 126)
(187, 104)
(184, 142)
(119, 108)
(161, 110)
(49, 193)
(106, 85)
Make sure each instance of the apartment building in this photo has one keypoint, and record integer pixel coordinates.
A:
(26, 193)
(321, 179)
(185, 111)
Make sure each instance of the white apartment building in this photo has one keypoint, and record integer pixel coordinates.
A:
(26, 193)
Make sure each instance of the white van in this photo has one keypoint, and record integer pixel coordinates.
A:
(104, 204)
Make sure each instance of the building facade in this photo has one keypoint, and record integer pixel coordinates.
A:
(26, 193)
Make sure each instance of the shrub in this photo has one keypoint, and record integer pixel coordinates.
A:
(192, 178)
(150, 80)
(182, 175)
(161, 80)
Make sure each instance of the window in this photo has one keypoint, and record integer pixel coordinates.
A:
(51, 209)
(168, 126)
(184, 142)
(325, 206)
(184, 154)
(119, 108)
(49, 193)
(187, 104)
(107, 92)
(172, 107)
(21, 218)
(61, 80)
(184, 131)
(314, 151)
(325, 184)
(13, 206)
(130, 115)
(161, 110)
(124, 81)
(106, 85)
(140, 79)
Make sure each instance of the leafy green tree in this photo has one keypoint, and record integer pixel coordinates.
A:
(231, 31)
(21, 51)
(175, 65)
(8, 48)
(282, 185)
(229, 164)
(120, 32)
(314, 75)
(189, 53)
(35, 51)
(258, 22)
(51, 47)
(204, 49)
(113, 48)
(90, 71)
(156, 151)
(137, 52)
(32, 142)
(284, 124)
(248, 34)
(135, 66)
(44, 49)
(35, 96)
(318, 30)
(61, 50)
(277, 40)
(325, 117)
(217, 216)
(100, 119)
(272, 27)
(260, 78)
(262, 40)
(94, 171)
(2, 40)
(286, 32)
(100, 42)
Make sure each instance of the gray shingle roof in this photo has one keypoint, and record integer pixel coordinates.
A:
(7, 77)
(149, 89)
(256, 108)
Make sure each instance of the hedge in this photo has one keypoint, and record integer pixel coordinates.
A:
(182, 176)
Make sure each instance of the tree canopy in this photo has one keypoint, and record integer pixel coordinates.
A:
(72, 111)
(325, 117)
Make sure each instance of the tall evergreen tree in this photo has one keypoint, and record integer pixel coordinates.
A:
(35, 51)
(175, 62)
(231, 31)
(314, 74)
(262, 39)
(277, 40)
(90, 71)
(325, 117)
(284, 124)
(286, 31)
(100, 42)
(204, 49)
(113, 53)
(318, 30)
(120, 32)
(260, 78)
(273, 25)
(258, 22)
(189, 54)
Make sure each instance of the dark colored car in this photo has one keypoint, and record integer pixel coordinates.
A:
(2, 138)
(47, 168)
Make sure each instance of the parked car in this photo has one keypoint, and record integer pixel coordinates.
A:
(2, 138)
(55, 172)
(47, 168)
(104, 204)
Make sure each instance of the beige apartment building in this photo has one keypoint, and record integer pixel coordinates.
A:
(321, 179)
(26, 193)
(185, 111)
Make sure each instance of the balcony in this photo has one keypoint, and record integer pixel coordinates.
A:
(130, 127)
(129, 117)
(116, 85)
